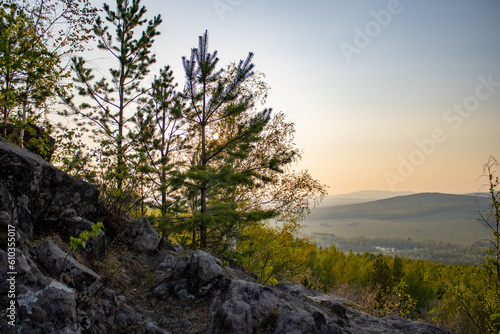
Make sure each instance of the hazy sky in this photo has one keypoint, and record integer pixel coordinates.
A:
(386, 95)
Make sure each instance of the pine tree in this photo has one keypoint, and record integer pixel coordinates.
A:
(115, 101)
(210, 181)
(160, 136)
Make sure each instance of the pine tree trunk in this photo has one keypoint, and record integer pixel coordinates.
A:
(193, 245)
(163, 184)
(119, 162)
(119, 143)
(165, 149)
(163, 188)
(203, 225)
(203, 208)
(5, 108)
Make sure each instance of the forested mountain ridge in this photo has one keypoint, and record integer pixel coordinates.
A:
(408, 206)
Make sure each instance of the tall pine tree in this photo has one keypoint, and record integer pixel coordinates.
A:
(115, 100)
(212, 177)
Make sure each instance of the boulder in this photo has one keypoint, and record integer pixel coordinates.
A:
(56, 262)
(127, 315)
(247, 307)
(205, 267)
(43, 194)
(150, 327)
(51, 309)
(31, 181)
(143, 236)
(174, 266)
(8, 218)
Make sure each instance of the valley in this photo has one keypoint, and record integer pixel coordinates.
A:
(434, 226)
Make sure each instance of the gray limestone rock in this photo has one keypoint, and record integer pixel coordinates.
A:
(150, 327)
(143, 236)
(205, 267)
(127, 315)
(43, 194)
(246, 307)
(80, 196)
(51, 309)
(55, 262)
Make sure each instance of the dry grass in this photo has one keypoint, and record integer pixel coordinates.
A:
(133, 276)
(363, 298)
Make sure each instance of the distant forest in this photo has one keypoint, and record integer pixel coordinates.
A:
(437, 252)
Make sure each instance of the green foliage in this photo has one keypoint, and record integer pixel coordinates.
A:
(235, 170)
(74, 157)
(159, 139)
(29, 71)
(232, 174)
(115, 162)
(480, 305)
(31, 58)
(205, 158)
(401, 303)
(84, 237)
(381, 275)
(273, 253)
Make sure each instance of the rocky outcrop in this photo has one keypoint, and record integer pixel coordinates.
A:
(159, 289)
(240, 305)
(46, 284)
(43, 194)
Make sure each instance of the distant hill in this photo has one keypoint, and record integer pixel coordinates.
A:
(362, 197)
(400, 207)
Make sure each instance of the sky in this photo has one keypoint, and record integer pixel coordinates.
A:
(385, 95)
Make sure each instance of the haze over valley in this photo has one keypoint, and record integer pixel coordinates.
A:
(404, 223)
